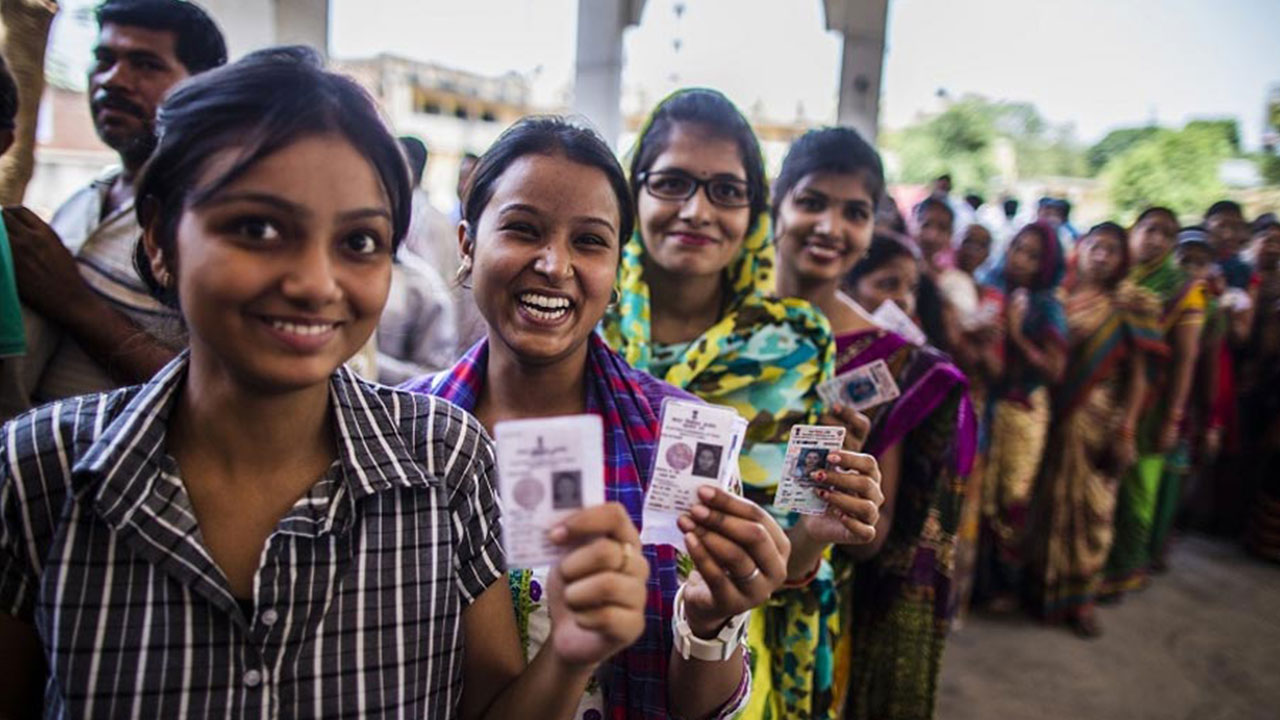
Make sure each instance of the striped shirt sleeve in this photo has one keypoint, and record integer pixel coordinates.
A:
(473, 506)
(17, 577)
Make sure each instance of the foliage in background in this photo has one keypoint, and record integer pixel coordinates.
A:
(1116, 143)
(1175, 168)
(969, 138)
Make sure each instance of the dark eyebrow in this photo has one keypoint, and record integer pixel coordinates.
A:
(290, 206)
(677, 170)
(519, 207)
(135, 55)
(224, 198)
(524, 207)
(594, 221)
(363, 213)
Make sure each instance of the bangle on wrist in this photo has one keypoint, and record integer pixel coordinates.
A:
(718, 649)
(805, 579)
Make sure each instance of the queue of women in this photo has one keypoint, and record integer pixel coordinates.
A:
(256, 530)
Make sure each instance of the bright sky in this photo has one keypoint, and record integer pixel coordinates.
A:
(1097, 64)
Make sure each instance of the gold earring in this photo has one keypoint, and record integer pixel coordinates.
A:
(464, 270)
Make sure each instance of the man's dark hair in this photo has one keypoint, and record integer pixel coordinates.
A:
(8, 97)
(258, 105)
(1224, 206)
(835, 150)
(944, 177)
(1010, 207)
(415, 153)
(712, 111)
(198, 42)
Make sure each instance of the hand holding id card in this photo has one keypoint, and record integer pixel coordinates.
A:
(807, 452)
(860, 388)
(548, 469)
(698, 445)
(894, 319)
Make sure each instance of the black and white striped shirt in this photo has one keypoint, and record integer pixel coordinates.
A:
(357, 600)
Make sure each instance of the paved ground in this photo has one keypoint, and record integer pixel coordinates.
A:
(1202, 642)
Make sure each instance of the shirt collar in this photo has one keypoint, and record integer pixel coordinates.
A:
(130, 451)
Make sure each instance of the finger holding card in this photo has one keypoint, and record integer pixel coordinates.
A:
(740, 554)
(851, 490)
(596, 594)
(857, 426)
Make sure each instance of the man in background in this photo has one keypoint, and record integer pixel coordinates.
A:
(92, 325)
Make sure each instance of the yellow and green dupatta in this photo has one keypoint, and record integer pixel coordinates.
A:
(765, 356)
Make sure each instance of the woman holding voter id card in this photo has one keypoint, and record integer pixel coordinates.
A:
(697, 310)
(256, 530)
(648, 631)
(894, 593)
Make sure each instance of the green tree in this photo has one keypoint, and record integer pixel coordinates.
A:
(961, 140)
(1178, 169)
(1226, 128)
(1115, 144)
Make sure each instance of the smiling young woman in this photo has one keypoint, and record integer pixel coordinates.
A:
(261, 530)
(543, 224)
(824, 210)
(698, 310)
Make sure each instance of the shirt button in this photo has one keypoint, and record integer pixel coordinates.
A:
(269, 617)
(252, 678)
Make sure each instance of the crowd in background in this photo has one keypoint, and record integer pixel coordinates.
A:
(251, 375)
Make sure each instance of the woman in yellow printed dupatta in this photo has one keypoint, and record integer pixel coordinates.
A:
(696, 310)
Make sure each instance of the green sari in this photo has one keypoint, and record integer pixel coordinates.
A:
(1150, 491)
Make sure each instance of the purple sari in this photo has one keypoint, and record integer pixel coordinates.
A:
(902, 599)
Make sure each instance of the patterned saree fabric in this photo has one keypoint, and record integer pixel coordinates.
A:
(1018, 418)
(1076, 497)
(1183, 302)
(899, 607)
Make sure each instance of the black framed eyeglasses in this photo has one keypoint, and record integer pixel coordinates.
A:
(679, 185)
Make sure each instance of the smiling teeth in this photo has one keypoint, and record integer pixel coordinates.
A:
(297, 329)
(545, 302)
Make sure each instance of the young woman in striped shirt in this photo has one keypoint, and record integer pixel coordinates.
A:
(256, 531)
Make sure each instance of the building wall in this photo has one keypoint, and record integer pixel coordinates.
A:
(452, 111)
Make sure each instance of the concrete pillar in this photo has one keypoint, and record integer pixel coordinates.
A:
(252, 24)
(597, 82)
(303, 22)
(862, 22)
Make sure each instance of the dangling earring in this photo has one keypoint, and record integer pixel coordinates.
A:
(464, 271)
(614, 297)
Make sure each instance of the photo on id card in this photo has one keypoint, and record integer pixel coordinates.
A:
(548, 468)
(698, 444)
(807, 452)
(863, 387)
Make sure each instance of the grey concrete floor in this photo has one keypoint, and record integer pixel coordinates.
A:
(1203, 642)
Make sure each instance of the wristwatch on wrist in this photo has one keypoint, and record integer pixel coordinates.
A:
(717, 649)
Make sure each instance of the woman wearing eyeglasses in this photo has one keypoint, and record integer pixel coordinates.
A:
(695, 309)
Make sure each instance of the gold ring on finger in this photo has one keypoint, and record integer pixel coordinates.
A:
(626, 557)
